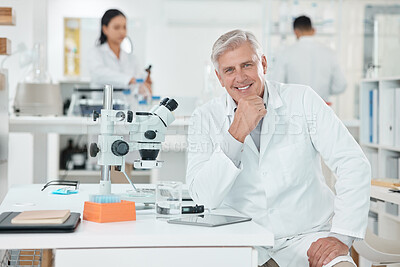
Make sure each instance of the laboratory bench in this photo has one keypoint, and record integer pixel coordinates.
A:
(48, 132)
(145, 242)
(76, 125)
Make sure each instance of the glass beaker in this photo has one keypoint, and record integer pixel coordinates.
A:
(168, 199)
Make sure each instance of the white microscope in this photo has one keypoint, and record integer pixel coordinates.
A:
(146, 132)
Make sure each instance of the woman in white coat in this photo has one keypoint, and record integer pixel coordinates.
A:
(109, 64)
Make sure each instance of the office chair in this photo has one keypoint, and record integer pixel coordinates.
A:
(378, 250)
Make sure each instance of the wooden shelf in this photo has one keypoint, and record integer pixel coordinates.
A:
(7, 16)
(5, 46)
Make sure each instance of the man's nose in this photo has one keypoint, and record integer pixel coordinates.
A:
(240, 76)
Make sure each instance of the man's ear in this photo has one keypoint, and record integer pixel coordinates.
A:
(298, 33)
(264, 63)
(219, 78)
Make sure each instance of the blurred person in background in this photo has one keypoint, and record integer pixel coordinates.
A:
(309, 62)
(109, 64)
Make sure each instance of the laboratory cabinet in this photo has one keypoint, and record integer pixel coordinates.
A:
(380, 125)
(380, 141)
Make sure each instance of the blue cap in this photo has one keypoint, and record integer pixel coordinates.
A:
(155, 97)
(143, 102)
(126, 91)
(139, 81)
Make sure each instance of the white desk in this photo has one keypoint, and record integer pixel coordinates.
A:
(388, 224)
(384, 194)
(144, 242)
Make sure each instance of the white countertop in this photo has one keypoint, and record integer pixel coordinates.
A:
(146, 231)
(83, 125)
(384, 194)
(75, 125)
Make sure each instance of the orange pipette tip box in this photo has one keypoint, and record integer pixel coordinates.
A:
(109, 212)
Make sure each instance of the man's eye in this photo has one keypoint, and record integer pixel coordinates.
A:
(228, 70)
(247, 65)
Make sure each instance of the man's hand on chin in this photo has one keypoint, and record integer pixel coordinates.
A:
(324, 250)
(249, 112)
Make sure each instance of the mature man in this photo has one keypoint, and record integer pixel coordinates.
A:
(257, 149)
(309, 62)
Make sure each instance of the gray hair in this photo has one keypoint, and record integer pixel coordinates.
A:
(232, 40)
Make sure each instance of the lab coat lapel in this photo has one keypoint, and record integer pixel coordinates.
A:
(267, 129)
(269, 123)
(250, 143)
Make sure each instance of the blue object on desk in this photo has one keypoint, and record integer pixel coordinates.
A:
(64, 191)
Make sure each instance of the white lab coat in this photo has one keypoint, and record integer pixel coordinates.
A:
(310, 63)
(106, 68)
(282, 187)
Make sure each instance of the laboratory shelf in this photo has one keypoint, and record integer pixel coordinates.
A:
(370, 145)
(385, 147)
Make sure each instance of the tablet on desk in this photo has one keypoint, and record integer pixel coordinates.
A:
(209, 220)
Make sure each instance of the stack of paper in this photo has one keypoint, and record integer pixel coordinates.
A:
(42, 217)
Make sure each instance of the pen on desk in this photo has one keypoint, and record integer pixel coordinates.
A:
(394, 190)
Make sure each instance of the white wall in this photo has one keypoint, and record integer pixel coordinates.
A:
(31, 21)
(3, 134)
(179, 35)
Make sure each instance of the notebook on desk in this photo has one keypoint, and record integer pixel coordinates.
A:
(6, 225)
(41, 217)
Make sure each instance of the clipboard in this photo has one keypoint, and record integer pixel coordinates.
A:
(209, 220)
(6, 227)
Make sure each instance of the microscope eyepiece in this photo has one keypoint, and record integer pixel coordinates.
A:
(171, 105)
(164, 101)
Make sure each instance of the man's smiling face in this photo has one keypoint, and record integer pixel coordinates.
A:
(241, 72)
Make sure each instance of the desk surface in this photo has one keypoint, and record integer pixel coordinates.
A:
(384, 194)
(146, 231)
